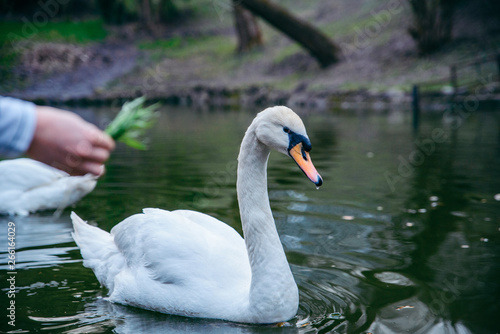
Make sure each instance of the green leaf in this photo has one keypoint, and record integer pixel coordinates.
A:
(131, 123)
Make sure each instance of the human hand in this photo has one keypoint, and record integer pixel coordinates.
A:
(65, 141)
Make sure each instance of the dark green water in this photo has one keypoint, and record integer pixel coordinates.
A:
(403, 237)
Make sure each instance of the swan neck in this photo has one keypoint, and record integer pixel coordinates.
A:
(271, 275)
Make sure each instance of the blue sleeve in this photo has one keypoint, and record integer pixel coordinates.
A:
(17, 126)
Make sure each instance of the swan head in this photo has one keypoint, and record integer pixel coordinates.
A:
(282, 129)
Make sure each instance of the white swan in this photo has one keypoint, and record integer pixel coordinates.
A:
(27, 186)
(190, 264)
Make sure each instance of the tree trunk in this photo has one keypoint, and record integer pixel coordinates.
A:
(433, 23)
(319, 46)
(115, 12)
(167, 10)
(146, 15)
(247, 29)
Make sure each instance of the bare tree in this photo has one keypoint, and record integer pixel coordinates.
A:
(247, 28)
(432, 23)
(319, 45)
(145, 12)
(157, 11)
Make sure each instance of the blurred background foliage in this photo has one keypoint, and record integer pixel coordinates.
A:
(247, 39)
(431, 24)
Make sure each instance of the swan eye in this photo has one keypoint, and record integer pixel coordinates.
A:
(286, 129)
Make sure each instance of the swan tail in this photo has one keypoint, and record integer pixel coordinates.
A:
(98, 250)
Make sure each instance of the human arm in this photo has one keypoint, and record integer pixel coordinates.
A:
(56, 137)
(17, 126)
(64, 140)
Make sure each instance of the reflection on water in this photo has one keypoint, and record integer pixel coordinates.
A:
(404, 236)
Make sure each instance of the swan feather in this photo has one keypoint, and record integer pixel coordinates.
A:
(196, 251)
(28, 186)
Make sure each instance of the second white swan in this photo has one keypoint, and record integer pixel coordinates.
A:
(190, 264)
(28, 185)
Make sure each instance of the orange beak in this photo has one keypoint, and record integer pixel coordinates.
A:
(303, 160)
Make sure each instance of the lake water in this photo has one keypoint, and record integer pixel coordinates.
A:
(403, 237)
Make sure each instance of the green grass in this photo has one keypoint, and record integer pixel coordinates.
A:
(217, 52)
(13, 33)
(59, 31)
(210, 55)
(177, 47)
(289, 82)
(286, 52)
(163, 44)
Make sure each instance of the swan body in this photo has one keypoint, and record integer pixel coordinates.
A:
(188, 263)
(27, 186)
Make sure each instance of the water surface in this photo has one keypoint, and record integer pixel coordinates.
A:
(403, 237)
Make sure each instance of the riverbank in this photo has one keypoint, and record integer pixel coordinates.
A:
(194, 62)
(203, 97)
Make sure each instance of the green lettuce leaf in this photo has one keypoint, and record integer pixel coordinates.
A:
(131, 123)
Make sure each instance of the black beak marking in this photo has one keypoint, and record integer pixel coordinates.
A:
(304, 153)
(295, 139)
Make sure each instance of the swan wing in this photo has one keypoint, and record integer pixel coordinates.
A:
(210, 223)
(28, 186)
(24, 174)
(183, 247)
(183, 263)
(98, 251)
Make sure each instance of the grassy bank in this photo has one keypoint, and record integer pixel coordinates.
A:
(18, 37)
(60, 32)
(378, 55)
